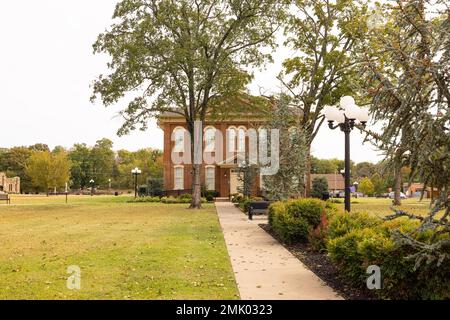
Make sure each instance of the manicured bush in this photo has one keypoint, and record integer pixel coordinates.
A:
(186, 196)
(212, 193)
(292, 220)
(209, 198)
(317, 236)
(357, 241)
(342, 223)
(145, 200)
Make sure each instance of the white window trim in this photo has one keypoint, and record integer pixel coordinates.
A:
(240, 147)
(177, 147)
(213, 183)
(175, 186)
(208, 147)
(232, 147)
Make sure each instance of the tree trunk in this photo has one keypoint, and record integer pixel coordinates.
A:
(398, 186)
(196, 188)
(196, 138)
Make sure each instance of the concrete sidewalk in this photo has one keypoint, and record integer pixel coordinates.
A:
(263, 268)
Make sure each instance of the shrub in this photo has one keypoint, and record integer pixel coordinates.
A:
(244, 204)
(292, 220)
(145, 200)
(342, 223)
(236, 199)
(356, 241)
(186, 196)
(351, 252)
(213, 193)
(319, 187)
(309, 209)
(317, 236)
(209, 198)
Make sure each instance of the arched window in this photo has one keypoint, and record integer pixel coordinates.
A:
(231, 135)
(241, 139)
(178, 137)
(210, 139)
(210, 176)
(179, 178)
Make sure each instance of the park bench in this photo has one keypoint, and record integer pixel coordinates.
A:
(5, 197)
(258, 207)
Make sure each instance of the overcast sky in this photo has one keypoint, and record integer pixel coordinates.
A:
(47, 65)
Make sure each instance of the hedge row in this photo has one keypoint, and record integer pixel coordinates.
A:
(356, 241)
(187, 198)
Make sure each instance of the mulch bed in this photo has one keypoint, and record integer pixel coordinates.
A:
(321, 265)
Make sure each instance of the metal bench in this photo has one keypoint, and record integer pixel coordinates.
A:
(258, 207)
(5, 197)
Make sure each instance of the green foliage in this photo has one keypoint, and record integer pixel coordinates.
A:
(366, 186)
(48, 170)
(185, 57)
(379, 185)
(405, 69)
(328, 166)
(356, 241)
(342, 223)
(247, 176)
(365, 169)
(292, 220)
(286, 182)
(322, 71)
(319, 187)
(244, 204)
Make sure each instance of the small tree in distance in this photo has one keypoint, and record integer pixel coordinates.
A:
(319, 187)
(366, 186)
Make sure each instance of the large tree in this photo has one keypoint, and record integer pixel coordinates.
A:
(183, 56)
(407, 68)
(322, 35)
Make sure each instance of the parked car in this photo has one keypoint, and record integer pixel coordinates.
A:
(392, 195)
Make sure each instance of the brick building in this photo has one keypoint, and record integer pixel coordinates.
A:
(220, 176)
(9, 185)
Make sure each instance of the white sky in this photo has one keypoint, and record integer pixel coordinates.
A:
(47, 65)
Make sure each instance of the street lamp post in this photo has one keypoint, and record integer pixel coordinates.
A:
(136, 172)
(346, 119)
(92, 186)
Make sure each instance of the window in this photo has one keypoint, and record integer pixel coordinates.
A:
(231, 140)
(241, 139)
(210, 178)
(178, 137)
(210, 139)
(179, 178)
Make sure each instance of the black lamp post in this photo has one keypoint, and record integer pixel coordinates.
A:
(92, 186)
(346, 122)
(136, 172)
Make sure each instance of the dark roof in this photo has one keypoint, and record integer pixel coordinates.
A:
(335, 181)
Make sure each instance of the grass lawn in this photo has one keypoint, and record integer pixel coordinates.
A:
(125, 251)
(381, 207)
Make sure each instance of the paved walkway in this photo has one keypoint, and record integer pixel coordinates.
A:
(264, 269)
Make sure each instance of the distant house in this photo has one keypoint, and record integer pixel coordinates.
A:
(9, 185)
(415, 190)
(336, 182)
